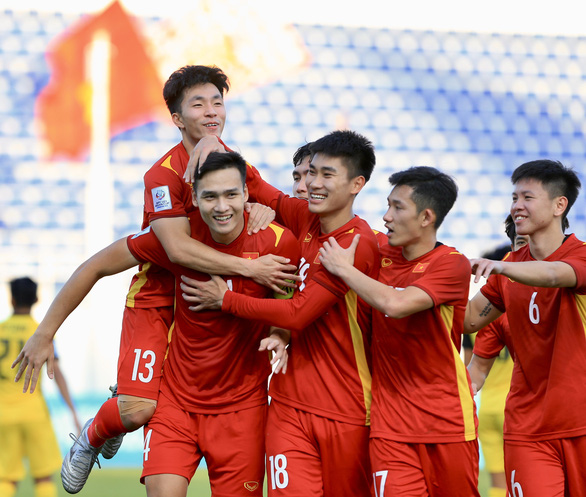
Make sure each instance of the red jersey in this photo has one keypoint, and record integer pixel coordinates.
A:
(493, 338)
(213, 364)
(547, 398)
(421, 389)
(328, 372)
(165, 195)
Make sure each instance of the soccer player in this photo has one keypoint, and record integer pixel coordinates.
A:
(212, 402)
(542, 288)
(490, 353)
(317, 428)
(25, 424)
(301, 159)
(423, 431)
(194, 97)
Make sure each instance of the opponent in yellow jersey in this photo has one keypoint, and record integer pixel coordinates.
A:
(25, 424)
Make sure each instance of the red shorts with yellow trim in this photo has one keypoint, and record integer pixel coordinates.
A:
(551, 467)
(232, 444)
(434, 470)
(143, 345)
(309, 455)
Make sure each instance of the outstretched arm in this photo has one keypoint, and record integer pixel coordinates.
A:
(174, 233)
(39, 348)
(393, 303)
(293, 314)
(554, 274)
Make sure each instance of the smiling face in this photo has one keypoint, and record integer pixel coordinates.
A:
(299, 177)
(532, 209)
(331, 192)
(220, 197)
(202, 113)
(402, 221)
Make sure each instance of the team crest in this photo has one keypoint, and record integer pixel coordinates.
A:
(308, 238)
(250, 255)
(251, 486)
(317, 261)
(385, 262)
(420, 267)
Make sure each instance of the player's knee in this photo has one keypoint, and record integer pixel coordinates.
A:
(136, 412)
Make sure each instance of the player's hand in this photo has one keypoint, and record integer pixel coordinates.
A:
(474, 388)
(277, 343)
(485, 267)
(260, 216)
(204, 295)
(36, 351)
(335, 258)
(274, 272)
(205, 146)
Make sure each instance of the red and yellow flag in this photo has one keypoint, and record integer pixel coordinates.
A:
(63, 106)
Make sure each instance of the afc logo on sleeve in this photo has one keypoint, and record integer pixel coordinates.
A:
(161, 198)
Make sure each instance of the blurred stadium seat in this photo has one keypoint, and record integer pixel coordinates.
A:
(475, 105)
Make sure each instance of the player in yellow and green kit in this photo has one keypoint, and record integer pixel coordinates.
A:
(25, 424)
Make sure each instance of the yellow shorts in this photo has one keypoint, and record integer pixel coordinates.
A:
(34, 440)
(490, 434)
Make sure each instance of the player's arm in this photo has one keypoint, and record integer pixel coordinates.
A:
(64, 390)
(39, 348)
(478, 369)
(394, 303)
(272, 271)
(554, 274)
(479, 313)
(294, 314)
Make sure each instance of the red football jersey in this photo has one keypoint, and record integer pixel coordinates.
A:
(421, 389)
(166, 194)
(547, 398)
(213, 363)
(329, 358)
(493, 338)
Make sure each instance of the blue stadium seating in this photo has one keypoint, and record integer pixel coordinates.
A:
(475, 105)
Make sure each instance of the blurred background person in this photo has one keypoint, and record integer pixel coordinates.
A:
(25, 424)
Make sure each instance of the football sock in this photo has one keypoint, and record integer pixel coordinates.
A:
(46, 489)
(107, 423)
(7, 488)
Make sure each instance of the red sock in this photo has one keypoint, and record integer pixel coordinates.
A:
(107, 424)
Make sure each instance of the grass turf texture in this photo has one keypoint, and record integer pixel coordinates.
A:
(124, 483)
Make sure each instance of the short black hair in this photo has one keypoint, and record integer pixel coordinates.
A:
(498, 253)
(355, 150)
(188, 77)
(24, 291)
(432, 189)
(301, 153)
(216, 161)
(557, 179)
